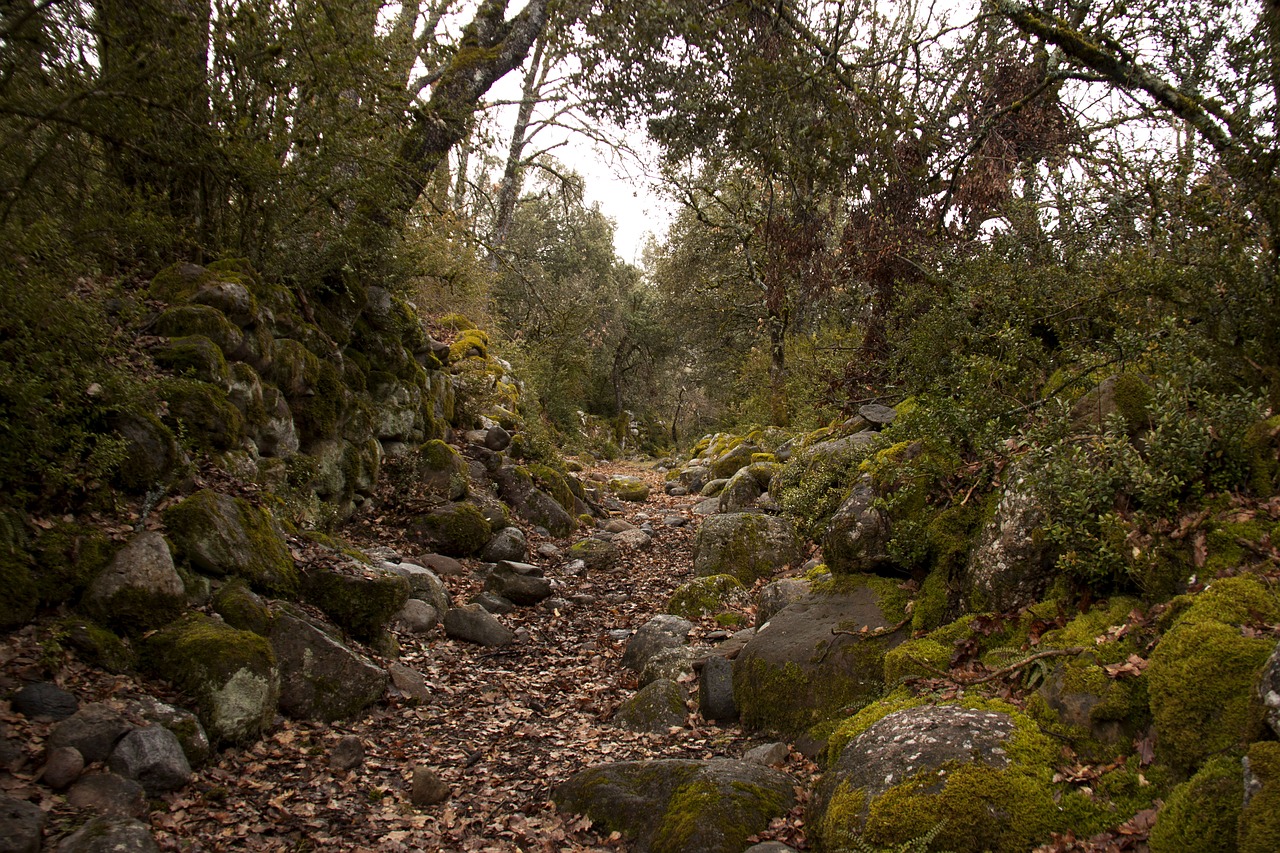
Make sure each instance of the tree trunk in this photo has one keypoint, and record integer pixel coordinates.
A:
(513, 174)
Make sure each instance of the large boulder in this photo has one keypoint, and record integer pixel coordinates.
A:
(320, 678)
(109, 834)
(225, 536)
(708, 596)
(978, 779)
(1011, 564)
(517, 583)
(741, 492)
(231, 675)
(153, 757)
(733, 460)
(820, 654)
(140, 590)
(746, 545)
(596, 554)
(629, 488)
(423, 583)
(857, 537)
(363, 605)
(679, 806)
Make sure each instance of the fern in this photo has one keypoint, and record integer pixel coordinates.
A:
(919, 844)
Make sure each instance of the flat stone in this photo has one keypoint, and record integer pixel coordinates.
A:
(409, 681)
(769, 754)
(107, 793)
(494, 603)
(45, 701)
(440, 564)
(521, 588)
(473, 624)
(94, 730)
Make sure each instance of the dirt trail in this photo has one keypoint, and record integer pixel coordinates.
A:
(502, 728)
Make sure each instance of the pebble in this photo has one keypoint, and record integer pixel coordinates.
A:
(348, 754)
(428, 788)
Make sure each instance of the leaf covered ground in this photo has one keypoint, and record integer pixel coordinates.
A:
(502, 727)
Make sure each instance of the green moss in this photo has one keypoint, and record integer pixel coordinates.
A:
(241, 609)
(457, 322)
(1259, 827)
(362, 606)
(96, 645)
(1234, 601)
(230, 674)
(931, 605)
(203, 321)
(553, 483)
(890, 595)
(1202, 813)
(18, 605)
(318, 415)
(457, 529)
(1201, 685)
(202, 414)
(1262, 449)
(181, 281)
(702, 596)
(195, 356)
(1133, 397)
(224, 535)
(694, 805)
(922, 657)
(846, 808)
(1086, 629)
(470, 343)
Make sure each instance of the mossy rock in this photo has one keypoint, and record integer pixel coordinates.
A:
(441, 469)
(1260, 818)
(470, 343)
(734, 459)
(746, 545)
(678, 806)
(933, 603)
(555, 484)
(656, 707)
(709, 595)
(228, 536)
(96, 645)
(202, 413)
(240, 608)
(456, 322)
(181, 281)
(319, 415)
(151, 452)
(598, 554)
(1201, 680)
(200, 321)
(918, 657)
(1203, 812)
(1262, 448)
(195, 356)
(980, 782)
(456, 529)
(231, 675)
(362, 605)
(631, 489)
(814, 660)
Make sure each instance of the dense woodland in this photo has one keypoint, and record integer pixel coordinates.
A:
(1001, 218)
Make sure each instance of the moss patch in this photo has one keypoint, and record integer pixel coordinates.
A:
(362, 606)
(202, 414)
(1202, 813)
(703, 596)
(458, 529)
(224, 535)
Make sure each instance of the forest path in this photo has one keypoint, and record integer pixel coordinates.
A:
(502, 727)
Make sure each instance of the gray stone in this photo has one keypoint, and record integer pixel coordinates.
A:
(417, 617)
(615, 525)
(473, 624)
(140, 589)
(494, 603)
(153, 758)
(1010, 567)
(320, 678)
(657, 707)
(710, 506)
(769, 754)
(44, 701)
(741, 492)
(547, 551)
(443, 565)
(857, 537)
(715, 690)
(877, 414)
(424, 583)
(778, 595)
(597, 554)
(497, 439)
(531, 503)
(680, 806)
(347, 754)
(21, 825)
(769, 847)
(733, 461)
(428, 788)
(409, 682)
(669, 664)
(62, 767)
(636, 540)
(675, 521)
(94, 730)
(108, 794)
(556, 604)
(675, 490)
(713, 488)
(509, 543)
(746, 545)
(631, 489)
(184, 725)
(810, 661)
(109, 834)
(661, 632)
(223, 535)
(523, 590)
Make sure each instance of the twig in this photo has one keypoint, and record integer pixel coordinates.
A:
(864, 635)
(1000, 673)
